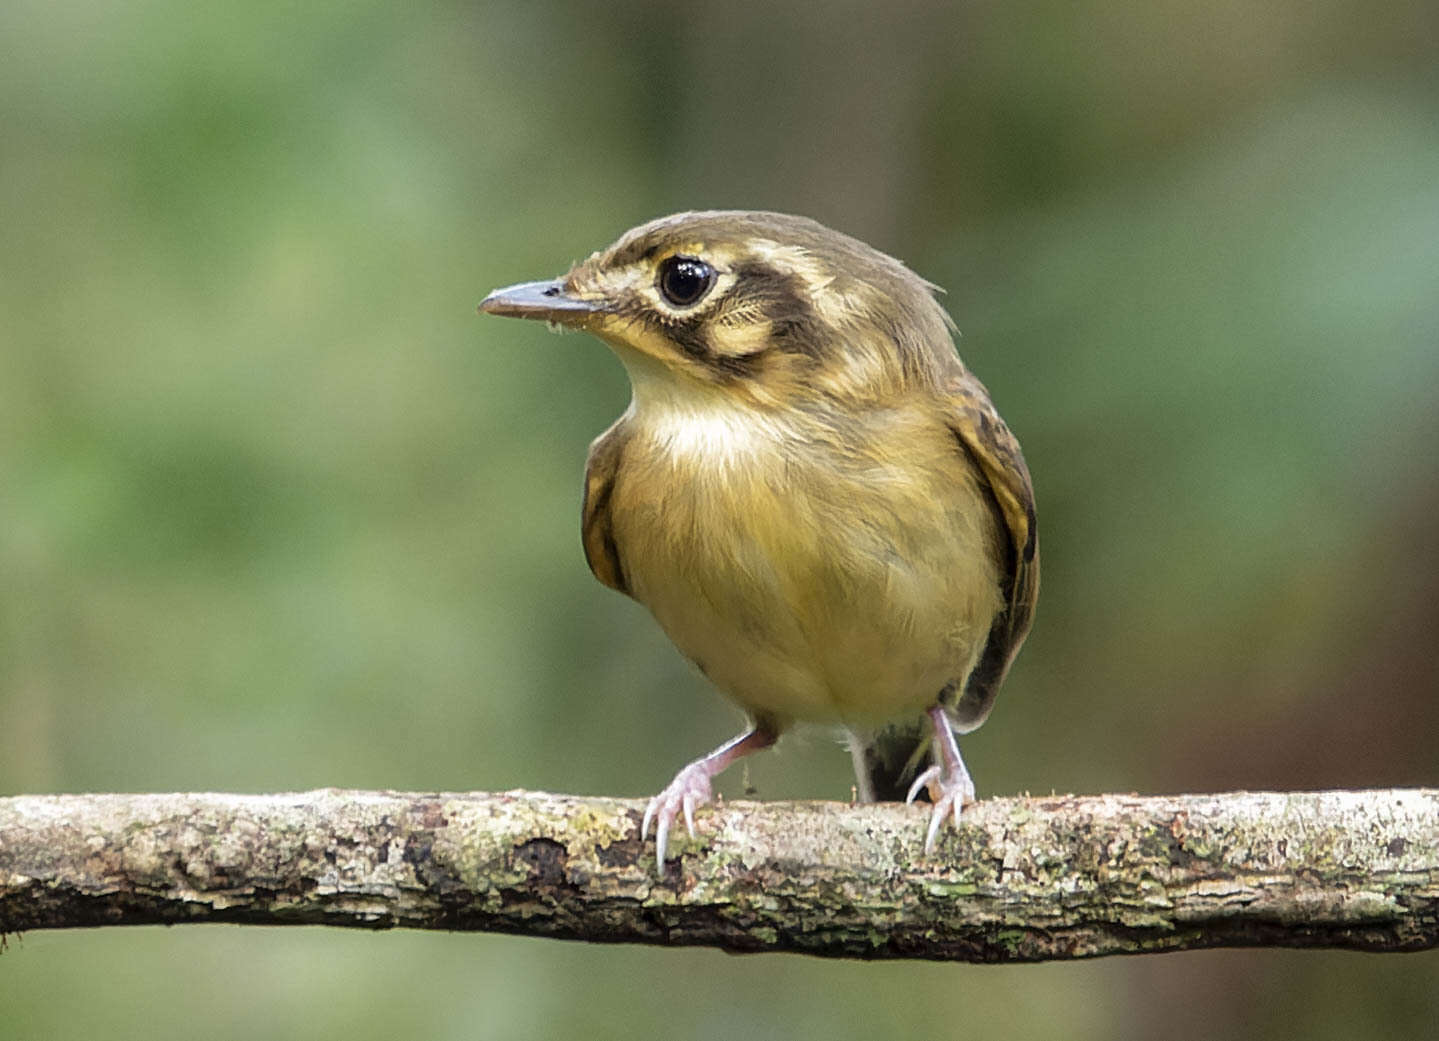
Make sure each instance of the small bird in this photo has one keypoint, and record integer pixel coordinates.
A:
(809, 491)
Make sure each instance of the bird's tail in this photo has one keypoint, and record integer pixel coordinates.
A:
(886, 761)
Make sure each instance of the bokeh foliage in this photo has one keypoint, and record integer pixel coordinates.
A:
(278, 511)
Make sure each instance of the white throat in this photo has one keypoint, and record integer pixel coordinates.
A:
(689, 419)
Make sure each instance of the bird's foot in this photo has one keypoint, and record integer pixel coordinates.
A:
(950, 793)
(949, 784)
(690, 788)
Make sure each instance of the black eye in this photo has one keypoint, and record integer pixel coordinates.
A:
(684, 280)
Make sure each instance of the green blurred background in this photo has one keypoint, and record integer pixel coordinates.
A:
(278, 511)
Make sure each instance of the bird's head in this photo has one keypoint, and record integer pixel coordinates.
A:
(773, 308)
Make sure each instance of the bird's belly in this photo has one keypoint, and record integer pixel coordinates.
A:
(778, 656)
(808, 601)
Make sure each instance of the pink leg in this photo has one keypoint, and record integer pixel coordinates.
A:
(949, 784)
(691, 787)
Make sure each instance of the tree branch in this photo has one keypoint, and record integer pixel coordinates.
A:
(1024, 879)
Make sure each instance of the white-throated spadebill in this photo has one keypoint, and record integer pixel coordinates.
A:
(810, 492)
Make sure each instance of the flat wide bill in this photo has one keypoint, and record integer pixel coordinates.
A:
(543, 300)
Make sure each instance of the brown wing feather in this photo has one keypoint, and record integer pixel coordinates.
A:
(596, 524)
(995, 454)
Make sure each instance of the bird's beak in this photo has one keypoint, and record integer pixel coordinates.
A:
(546, 301)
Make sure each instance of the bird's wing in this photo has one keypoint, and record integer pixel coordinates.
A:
(995, 455)
(596, 522)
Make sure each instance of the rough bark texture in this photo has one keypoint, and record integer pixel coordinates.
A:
(1023, 879)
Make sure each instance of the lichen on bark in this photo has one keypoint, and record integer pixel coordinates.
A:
(1022, 879)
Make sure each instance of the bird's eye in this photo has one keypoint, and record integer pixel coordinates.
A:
(685, 280)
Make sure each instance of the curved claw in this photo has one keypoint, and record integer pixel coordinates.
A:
(924, 780)
(948, 795)
(951, 800)
(950, 787)
(690, 788)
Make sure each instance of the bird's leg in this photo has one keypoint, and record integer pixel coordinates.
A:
(948, 781)
(691, 787)
(863, 786)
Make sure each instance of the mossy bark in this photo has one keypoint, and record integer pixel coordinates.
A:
(1023, 879)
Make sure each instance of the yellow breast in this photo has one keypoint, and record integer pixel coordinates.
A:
(815, 567)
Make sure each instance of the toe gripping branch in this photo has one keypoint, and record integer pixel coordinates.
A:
(948, 782)
(691, 788)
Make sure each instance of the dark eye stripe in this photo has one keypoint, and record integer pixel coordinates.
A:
(691, 336)
(777, 296)
(783, 300)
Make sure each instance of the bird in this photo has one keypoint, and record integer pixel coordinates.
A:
(810, 492)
